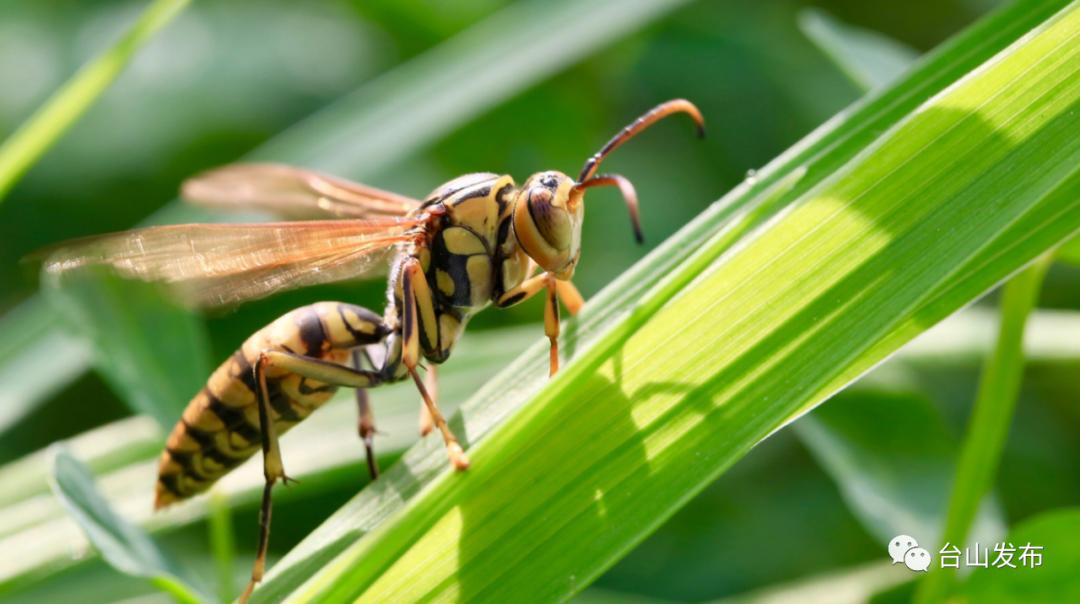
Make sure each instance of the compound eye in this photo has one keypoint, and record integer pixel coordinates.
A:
(551, 222)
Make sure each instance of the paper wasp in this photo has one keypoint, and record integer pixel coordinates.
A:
(476, 240)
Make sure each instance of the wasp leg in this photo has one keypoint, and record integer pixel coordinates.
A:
(532, 286)
(570, 297)
(415, 289)
(365, 425)
(273, 469)
(431, 382)
(551, 321)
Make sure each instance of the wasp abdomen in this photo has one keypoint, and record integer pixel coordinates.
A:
(220, 426)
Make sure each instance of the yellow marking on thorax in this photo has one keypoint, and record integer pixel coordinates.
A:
(445, 283)
(481, 214)
(479, 270)
(462, 242)
(513, 269)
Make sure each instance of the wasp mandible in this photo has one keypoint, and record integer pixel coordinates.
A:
(476, 240)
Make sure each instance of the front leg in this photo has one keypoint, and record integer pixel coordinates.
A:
(556, 289)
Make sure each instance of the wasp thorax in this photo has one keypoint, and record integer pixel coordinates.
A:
(547, 222)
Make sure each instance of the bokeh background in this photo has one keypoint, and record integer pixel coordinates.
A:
(225, 78)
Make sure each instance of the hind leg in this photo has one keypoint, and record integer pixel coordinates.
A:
(309, 367)
(365, 418)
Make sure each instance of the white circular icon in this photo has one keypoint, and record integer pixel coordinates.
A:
(917, 559)
(899, 546)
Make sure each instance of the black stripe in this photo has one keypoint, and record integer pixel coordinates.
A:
(457, 268)
(503, 234)
(512, 300)
(499, 286)
(365, 315)
(171, 483)
(501, 197)
(312, 333)
(481, 192)
(244, 372)
(306, 390)
(234, 418)
(279, 402)
(186, 460)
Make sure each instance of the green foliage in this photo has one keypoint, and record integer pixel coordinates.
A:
(1055, 580)
(49, 123)
(891, 453)
(869, 59)
(126, 548)
(999, 388)
(224, 546)
(152, 351)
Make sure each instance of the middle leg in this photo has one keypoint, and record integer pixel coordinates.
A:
(431, 382)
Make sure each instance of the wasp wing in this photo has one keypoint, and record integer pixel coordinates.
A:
(222, 264)
(292, 192)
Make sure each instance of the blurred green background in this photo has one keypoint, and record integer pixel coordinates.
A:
(226, 77)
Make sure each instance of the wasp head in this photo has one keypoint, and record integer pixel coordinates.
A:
(547, 222)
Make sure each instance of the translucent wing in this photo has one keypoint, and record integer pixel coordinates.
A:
(292, 192)
(221, 264)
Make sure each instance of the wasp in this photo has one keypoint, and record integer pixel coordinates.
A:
(477, 240)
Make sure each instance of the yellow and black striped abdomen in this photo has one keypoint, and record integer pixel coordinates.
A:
(220, 427)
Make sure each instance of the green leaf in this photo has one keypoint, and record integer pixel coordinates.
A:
(31, 341)
(49, 123)
(224, 546)
(126, 547)
(869, 59)
(892, 456)
(902, 229)
(1058, 534)
(999, 387)
(153, 352)
(1070, 250)
(385, 121)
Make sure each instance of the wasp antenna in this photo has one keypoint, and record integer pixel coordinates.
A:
(628, 193)
(649, 118)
